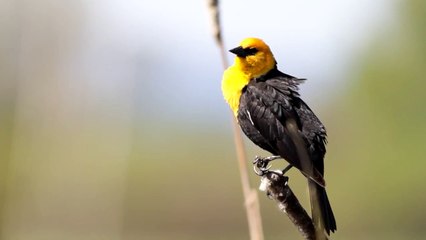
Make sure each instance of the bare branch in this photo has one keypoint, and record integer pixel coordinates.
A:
(276, 187)
(250, 195)
(214, 13)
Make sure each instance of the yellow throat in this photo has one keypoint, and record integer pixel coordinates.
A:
(233, 83)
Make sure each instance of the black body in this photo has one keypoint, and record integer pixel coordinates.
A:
(266, 104)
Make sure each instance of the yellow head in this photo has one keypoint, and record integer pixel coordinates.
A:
(254, 58)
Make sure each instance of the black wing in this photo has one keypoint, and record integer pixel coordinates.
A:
(266, 106)
(315, 134)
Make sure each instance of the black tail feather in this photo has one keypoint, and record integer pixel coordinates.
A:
(322, 214)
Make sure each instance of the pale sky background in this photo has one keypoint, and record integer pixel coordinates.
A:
(166, 48)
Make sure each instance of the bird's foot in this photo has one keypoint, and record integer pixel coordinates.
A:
(260, 165)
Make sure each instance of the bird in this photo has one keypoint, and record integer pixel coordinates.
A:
(271, 113)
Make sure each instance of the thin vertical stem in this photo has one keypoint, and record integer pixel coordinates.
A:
(250, 195)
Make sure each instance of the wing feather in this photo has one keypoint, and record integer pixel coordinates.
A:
(266, 106)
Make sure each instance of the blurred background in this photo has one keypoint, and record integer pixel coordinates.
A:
(113, 126)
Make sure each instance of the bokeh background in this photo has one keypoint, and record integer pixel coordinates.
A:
(112, 123)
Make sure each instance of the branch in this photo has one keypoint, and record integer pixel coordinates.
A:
(276, 187)
(251, 200)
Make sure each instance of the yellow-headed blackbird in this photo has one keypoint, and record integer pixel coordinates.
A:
(266, 102)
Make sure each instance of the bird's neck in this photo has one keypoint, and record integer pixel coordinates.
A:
(233, 83)
(237, 76)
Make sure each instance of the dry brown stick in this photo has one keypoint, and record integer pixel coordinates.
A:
(276, 187)
(250, 195)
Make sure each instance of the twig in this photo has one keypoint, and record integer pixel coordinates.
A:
(250, 194)
(276, 187)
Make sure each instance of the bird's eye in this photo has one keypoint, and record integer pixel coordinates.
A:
(250, 51)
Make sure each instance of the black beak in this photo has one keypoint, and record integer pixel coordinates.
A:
(243, 52)
(239, 51)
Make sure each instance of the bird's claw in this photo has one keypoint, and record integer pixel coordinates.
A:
(261, 165)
